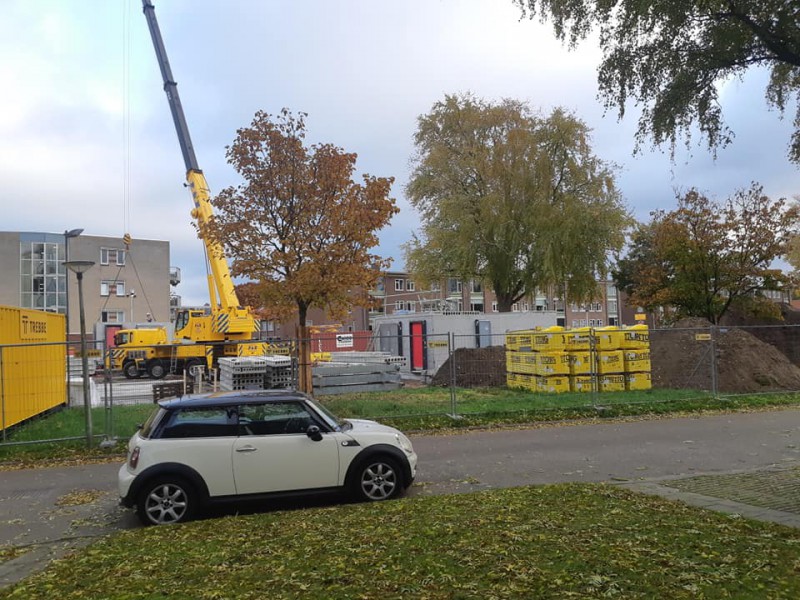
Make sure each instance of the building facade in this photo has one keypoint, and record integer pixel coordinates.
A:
(127, 283)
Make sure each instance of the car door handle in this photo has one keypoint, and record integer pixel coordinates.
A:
(246, 449)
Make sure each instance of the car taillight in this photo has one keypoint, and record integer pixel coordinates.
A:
(134, 459)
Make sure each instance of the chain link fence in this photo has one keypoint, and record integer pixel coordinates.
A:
(375, 376)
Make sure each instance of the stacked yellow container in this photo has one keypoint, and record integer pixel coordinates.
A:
(560, 360)
(536, 361)
(636, 356)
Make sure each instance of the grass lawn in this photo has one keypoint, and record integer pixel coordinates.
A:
(581, 541)
(410, 409)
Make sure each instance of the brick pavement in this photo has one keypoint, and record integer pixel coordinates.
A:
(771, 494)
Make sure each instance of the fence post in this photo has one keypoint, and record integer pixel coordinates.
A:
(594, 365)
(108, 392)
(2, 394)
(452, 357)
(714, 361)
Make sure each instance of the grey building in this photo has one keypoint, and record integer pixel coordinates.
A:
(128, 283)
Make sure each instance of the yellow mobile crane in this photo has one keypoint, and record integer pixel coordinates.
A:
(201, 336)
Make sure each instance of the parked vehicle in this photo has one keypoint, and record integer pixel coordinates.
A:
(226, 446)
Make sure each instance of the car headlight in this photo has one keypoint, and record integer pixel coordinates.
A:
(404, 443)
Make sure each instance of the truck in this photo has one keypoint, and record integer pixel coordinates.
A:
(202, 336)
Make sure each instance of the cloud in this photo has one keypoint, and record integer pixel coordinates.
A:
(363, 70)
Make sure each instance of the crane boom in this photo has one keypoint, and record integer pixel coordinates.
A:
(229, 316)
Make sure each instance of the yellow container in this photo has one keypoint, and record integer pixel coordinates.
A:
(638, 381)
(552, 363)
(520, 340)
(580, 363)
(34, 363)
(549, 340)
(608, 338)
(636, 361)
(612, 383)
(578, 339)
(520, 381)
(635, 337)
(610, 362)
(580, 383)
(527, 362)
(554, 384)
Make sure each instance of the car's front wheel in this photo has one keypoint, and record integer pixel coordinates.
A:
(377, 478)
(166, 500)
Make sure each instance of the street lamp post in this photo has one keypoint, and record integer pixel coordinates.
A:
(70, 233)
(79, 267)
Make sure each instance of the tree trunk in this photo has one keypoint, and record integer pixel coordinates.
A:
(504, 302)
(305, 381)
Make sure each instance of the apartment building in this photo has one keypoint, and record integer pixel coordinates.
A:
(128, 282)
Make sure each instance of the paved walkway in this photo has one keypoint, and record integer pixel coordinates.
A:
(743, 463)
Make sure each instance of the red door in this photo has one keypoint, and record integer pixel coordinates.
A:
(111, 330)
(419, 358)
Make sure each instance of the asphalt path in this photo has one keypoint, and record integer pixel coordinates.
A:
(56, 509)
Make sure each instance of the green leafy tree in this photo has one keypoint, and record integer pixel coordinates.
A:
(704, 257)
(511, 199)
(669, 56)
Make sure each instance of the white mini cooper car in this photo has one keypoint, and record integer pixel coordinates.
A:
(254, 444)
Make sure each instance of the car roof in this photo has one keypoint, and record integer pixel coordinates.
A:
(231, 398)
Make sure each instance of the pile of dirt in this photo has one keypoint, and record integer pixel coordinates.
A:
(474, 367)
(744, 363)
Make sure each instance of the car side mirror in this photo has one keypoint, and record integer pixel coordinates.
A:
(314, 433)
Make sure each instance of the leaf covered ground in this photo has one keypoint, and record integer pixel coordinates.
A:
(581, 541)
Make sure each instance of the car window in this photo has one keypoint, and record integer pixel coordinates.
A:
(200, 422)
(273, 418)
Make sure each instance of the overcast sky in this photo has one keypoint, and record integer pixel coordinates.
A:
(364, 70)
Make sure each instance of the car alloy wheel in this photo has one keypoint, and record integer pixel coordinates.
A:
(165, 502)
(379, 480)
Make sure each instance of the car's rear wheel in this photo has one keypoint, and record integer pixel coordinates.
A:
(377, 478)
(166, 500)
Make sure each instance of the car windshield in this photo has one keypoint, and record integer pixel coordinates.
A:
(329, 417)
(147, 428)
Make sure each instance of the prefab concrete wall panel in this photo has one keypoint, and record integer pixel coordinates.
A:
(33, 364)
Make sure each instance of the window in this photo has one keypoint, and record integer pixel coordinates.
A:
(411, 306)
(398, 285)
(379, 286)
(525, 307)
(612, 307)
(112, 288)
(399, 305)
(112, 256)
(276, 418)
(595, 322)
(410, 286)
(611, 291)
(494, 306)
(476, 307)
(453, 286)
(596, 307)
(476, 286)
(43, 282)
(200, 422)
(515, 307)
(112, 316)
(436, 286)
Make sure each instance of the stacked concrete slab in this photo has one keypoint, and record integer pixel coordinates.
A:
(278, 372)
(368, 358)
(350, 377)
(242, 373)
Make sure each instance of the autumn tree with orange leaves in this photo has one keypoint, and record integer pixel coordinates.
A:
(705, 256)
(299, 228)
